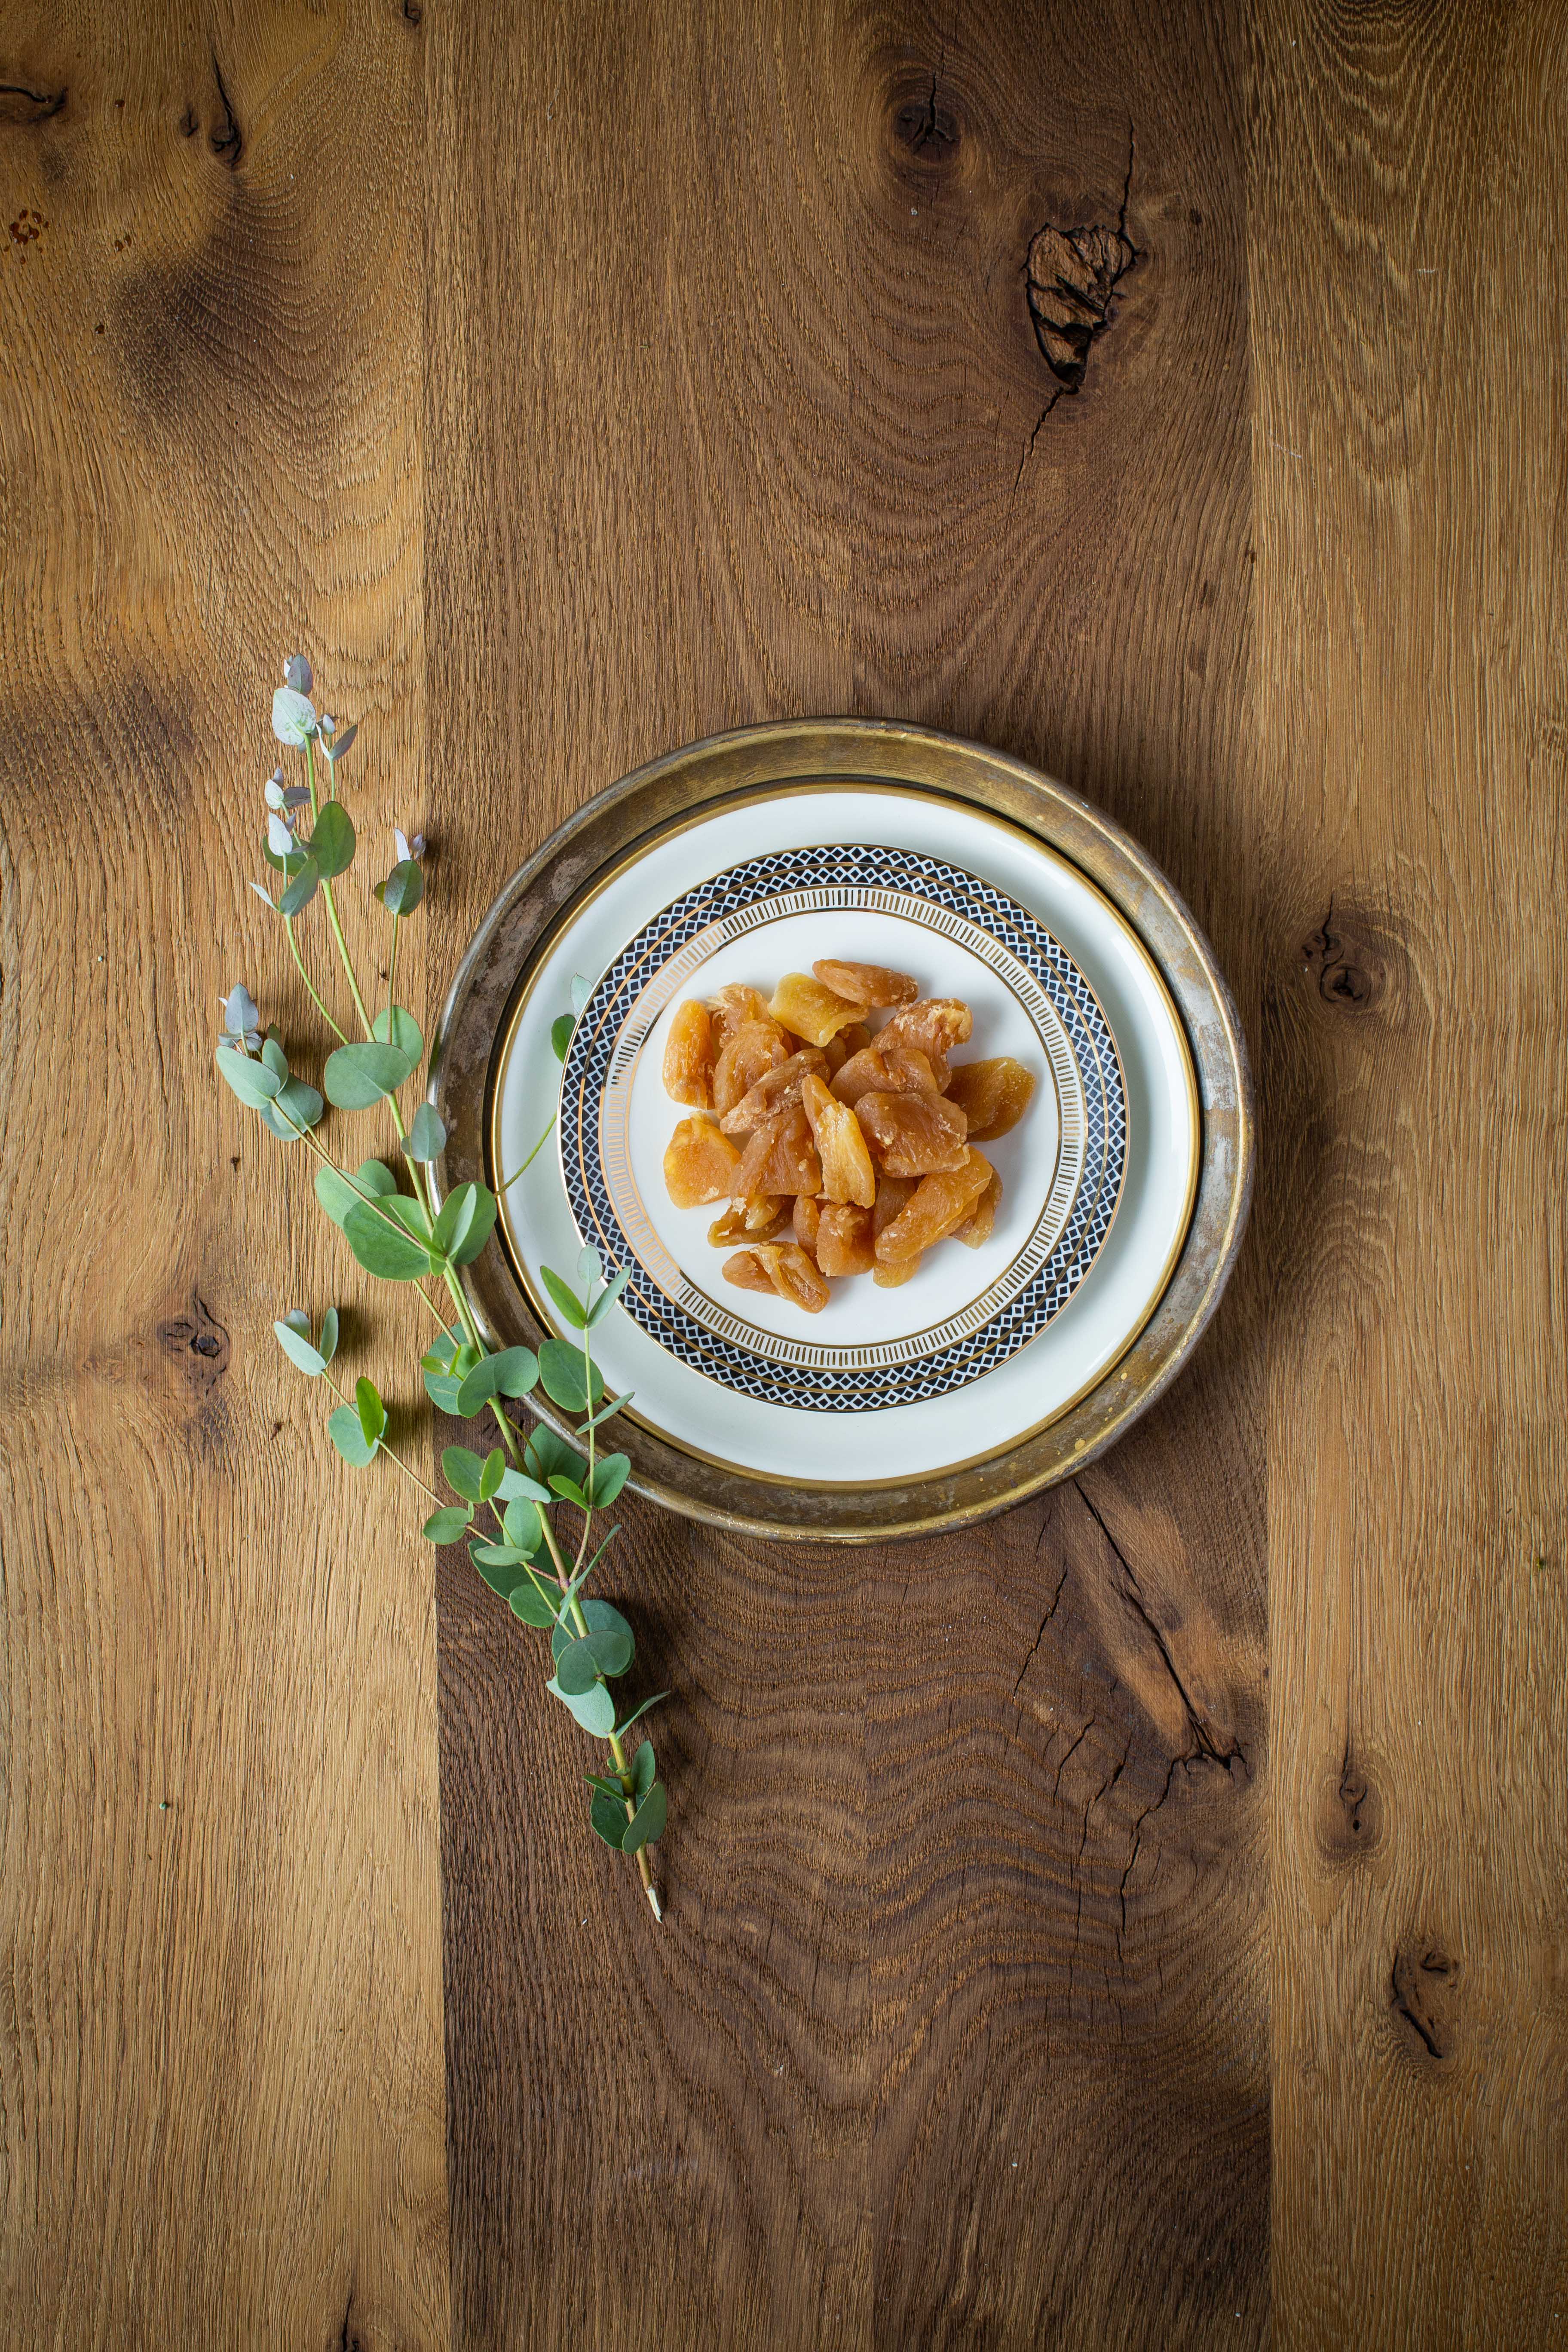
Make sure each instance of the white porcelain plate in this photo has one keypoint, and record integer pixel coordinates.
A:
(983, 1346)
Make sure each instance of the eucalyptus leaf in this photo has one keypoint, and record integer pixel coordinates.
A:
(276, 1059)
(341, 742)
(515, 1485)
(333, 841)
(581, 992)
(299, 1351)
(571, 1493)
(577, 1669)
(328, 1342)
(511, 1373)
(501, 1579)
(427, 1134)
(606, 1412)
(463, 1471)
(590, 1265)
(567, 1300)
(491, 1475)
(647, 1823)
(381, 1248)
(457, 1213)
(343, 1429)
(253, 1082)
(478, 1233)
(609, 1476)
(602, 1306)
(337, 1193)
(607, 1788)
(403, 888)
(497, 1555)
(445, 1525)
(356, 1077)
(371, 1411)
(594, 1709)
(521, 1523)
(561, 1036)
(395, 1025)
(546, 1454)
(611, 1636)
(531, 1604)
(638, 1712)
(301, 889)
(561, 1371)
(645, 1769)
(608, 1817)
(298, 1105)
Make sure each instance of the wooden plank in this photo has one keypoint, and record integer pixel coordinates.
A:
(220, 2055)
(1407, 245)
(736, 406)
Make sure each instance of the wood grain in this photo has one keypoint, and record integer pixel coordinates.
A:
(1406, 285)
(1060, 1950)
(737, 405)
(220, 2069)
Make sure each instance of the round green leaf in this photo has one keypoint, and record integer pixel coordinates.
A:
(276, 1059)
(328, 1342)
(446, 1524)
(602, 1305)
(561, 1036)
(594, 1709)
(297, 1106)
(463, 1471)
(427, 1134)
(577, 1668)
(560, 1369)
(532, 1606)
(609, 1476)
(343, 1429)
(514, 1482)
(521, 1524)
(401, 1030)
(332, 842)
(549, 1456)
(565, 1298)
(336, 1191)
(356, 1077)
(645, 1770)
(403, 888)
(510, 1374)
(457, 1213)
(253, 1082)
(483, 1217)
(381, 1248)
(647, 1823)
(491, 1475)
(299, 1352)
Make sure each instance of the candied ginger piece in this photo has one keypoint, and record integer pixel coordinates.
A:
(758, 1218)
(782, 1268)
(756, 1046)
(700, 1164)
(915, 1134)
(935, 1024)
(780, 1158)
(688, 1057)
(806, 1219)
(847, 1171)
(844, 1243)
(994, 1094)
(731, 1009)
(811, 1010)
(893, 1276)
(978, 1227)
(937, 1205)
(773, 1091)
(747, 1272)
(882, 1069)
(866, 983)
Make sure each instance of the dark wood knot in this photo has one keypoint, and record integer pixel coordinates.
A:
(199, 1343)
(926, 127)
(1071, 276)
(1421, 1994)
(1350, 1823)
(1346, 961)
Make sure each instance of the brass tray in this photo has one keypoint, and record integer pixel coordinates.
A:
(496, 967)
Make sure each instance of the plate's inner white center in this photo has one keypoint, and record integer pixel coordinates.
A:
(950, 1275)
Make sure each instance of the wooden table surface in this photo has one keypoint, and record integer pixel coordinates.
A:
(1138, 1922)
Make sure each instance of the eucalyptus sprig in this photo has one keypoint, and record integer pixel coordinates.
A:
(509, 1502)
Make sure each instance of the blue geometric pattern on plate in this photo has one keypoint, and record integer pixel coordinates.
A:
(600, 1034)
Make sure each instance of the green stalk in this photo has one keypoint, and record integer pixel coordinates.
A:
(294, 950)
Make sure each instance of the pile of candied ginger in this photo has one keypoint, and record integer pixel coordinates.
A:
(837, 1152)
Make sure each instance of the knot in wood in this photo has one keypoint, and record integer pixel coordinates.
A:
(1071, 276)
(1345, 960)
(199, 1341)
(1420, 1991)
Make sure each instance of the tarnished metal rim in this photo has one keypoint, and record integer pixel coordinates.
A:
(873, 751)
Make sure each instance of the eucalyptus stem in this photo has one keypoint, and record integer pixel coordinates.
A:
(592, 1643)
